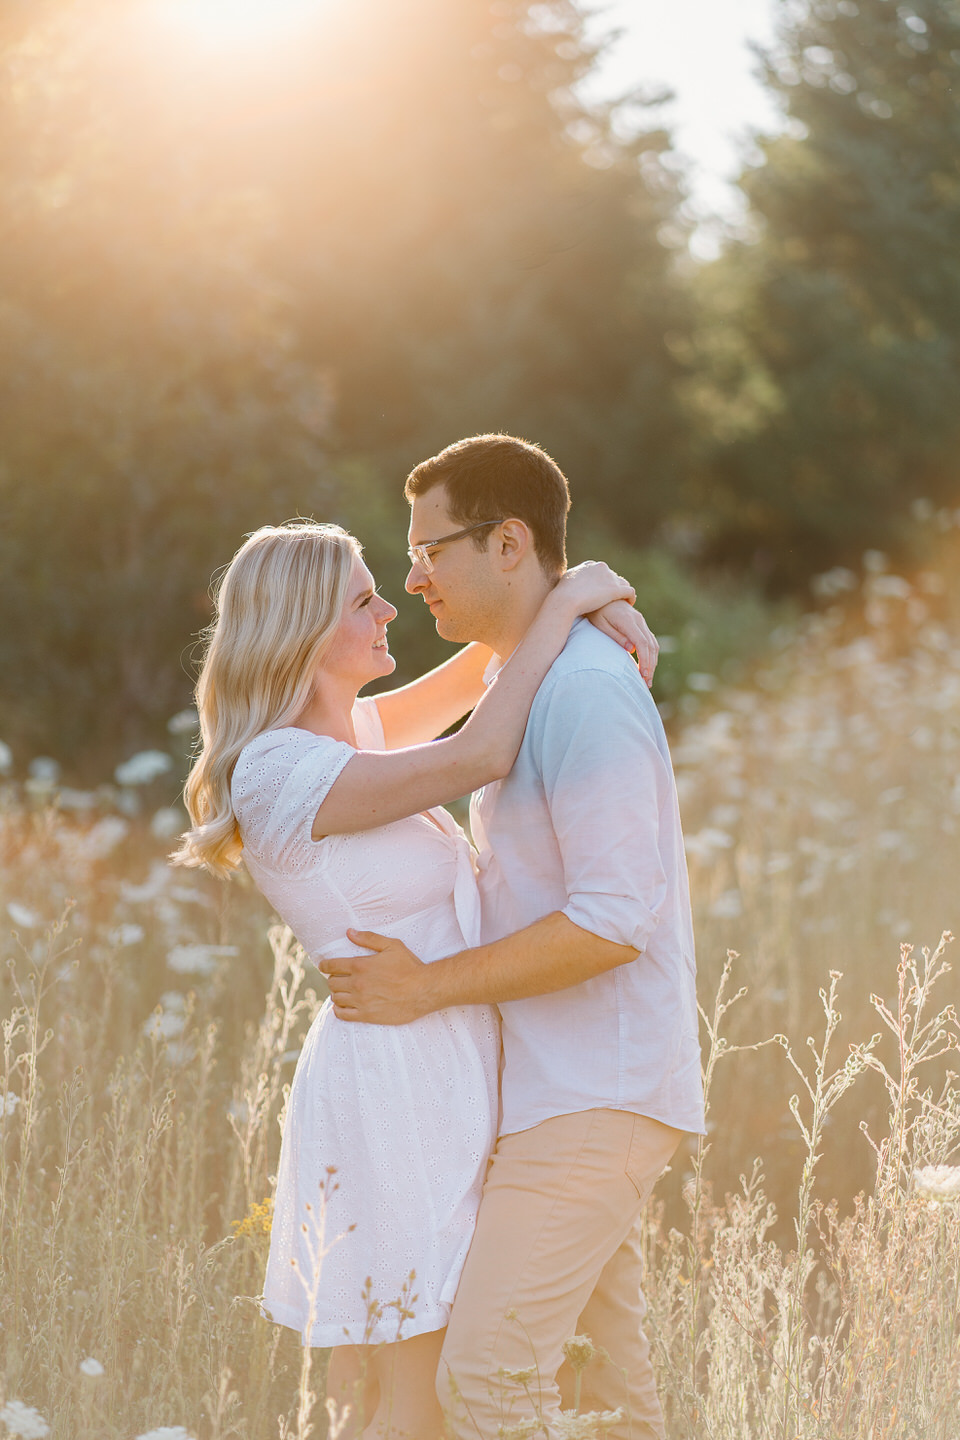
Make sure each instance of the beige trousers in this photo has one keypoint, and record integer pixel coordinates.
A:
(555, 1254)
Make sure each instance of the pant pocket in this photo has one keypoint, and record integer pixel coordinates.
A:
(651, 1146)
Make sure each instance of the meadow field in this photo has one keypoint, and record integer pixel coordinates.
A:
(803, 1263)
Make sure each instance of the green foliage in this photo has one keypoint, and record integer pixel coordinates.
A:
(842, 374)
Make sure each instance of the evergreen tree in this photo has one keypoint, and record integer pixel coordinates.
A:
(844, 370)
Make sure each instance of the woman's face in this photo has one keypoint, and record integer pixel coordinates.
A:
(358, 651)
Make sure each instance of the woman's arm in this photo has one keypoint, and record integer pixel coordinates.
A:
(422, 710)
(375, 788)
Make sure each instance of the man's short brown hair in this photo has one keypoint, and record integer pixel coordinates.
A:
(498, 477)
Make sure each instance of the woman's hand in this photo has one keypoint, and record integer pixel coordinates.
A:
(627, 626)
(590, 586)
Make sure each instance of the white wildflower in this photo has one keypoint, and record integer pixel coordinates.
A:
(938, 1182)
(104, 837)
(891, 587)
(727, 906)
(875, 561)
(80, 800)
(24, 1421)
(124, 935)
(163, 1025)
(167, 822)
(589, 1425)
(91, 1367)
(152, 888)
(180, 1052)
(197, 959)
(185, 722)
(702, 845)
(143, 767)
(9, 1104)
(44, 770)
(579, 1351)
(166, 1432)
(833, 582)
(21, 915)
(173, 1000)
(6, 759)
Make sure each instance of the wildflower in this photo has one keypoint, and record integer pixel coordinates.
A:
(185, 722)
(10, 1103)
(522, 1430)
(21, 915)
(6, 759)
(45, 771)
(167, 1432)
(938, 1182)
(197, 959)
(180, 1052)
(162, 1025)
(24, 1421)
(167, 822)
(579, 1350)
(143, 767)
(519, 1377)
(727, 906)
(257, 1220)
(104, 837)
(588, 1426)
(124, 935)
(91, 1367)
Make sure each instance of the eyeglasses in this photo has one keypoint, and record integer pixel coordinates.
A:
(418, 553)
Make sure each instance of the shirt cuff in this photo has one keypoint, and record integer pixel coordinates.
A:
(620, 918)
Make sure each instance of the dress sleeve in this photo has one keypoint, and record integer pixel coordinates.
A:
(279, 783)
(605, 782)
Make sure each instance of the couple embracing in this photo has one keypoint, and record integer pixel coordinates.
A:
(509, 1057)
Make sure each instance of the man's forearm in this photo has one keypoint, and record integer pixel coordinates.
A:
(551, 954)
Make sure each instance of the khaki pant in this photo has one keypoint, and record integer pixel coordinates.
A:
(555, 1254)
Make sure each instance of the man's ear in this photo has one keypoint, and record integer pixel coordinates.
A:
(515, 543)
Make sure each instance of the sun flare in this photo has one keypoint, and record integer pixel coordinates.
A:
(222, 23)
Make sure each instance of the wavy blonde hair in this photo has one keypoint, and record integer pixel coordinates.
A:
(277, 605)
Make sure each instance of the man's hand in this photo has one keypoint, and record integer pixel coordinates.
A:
(385, 988)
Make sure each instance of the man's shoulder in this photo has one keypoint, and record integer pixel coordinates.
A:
(592, 665)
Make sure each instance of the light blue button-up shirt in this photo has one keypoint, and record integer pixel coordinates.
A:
(587, 822)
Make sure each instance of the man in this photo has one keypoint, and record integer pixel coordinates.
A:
(588, 951)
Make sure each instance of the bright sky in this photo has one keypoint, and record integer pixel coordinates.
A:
(698, 49)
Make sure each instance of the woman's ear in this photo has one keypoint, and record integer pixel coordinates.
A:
(516, 543)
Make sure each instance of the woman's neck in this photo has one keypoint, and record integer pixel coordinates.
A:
(330, 712)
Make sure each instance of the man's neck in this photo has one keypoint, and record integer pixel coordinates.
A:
(518, 615)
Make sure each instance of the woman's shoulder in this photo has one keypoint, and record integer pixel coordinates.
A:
(266, 761)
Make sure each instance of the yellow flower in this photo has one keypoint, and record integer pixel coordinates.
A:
(257, 1220)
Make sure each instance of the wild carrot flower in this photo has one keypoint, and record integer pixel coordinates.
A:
(21, 915)
(24, 1421)
(143, 767)
(91, 1367)
(588, 1426)
(167, 1432)
(938, 1183)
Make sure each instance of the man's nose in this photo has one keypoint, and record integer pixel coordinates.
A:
(416, 579)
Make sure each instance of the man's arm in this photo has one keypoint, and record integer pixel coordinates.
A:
(393, 987)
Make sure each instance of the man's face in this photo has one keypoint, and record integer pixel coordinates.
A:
(464, 590)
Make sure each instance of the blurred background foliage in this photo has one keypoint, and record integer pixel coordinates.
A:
(239, 284)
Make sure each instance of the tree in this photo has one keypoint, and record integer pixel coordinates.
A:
(845, 367)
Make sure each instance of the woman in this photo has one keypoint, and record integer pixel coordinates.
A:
(332, 802)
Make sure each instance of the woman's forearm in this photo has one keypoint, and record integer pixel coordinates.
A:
(422, 710)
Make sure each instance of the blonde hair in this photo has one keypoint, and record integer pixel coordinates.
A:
(277, 605)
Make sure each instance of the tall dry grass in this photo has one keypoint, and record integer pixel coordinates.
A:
(803, 1263)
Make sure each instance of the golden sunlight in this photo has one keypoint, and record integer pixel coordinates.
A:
(225, 23)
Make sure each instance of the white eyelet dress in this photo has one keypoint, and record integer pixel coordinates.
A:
(388, 1128)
